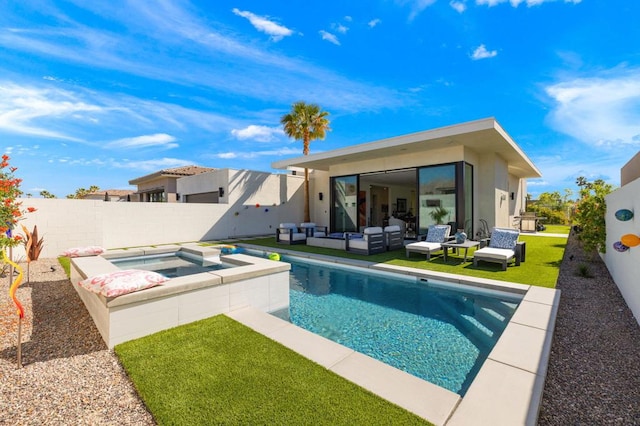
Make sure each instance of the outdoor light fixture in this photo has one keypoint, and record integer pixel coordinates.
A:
(513, 195)
(320, 196)
(221, 192)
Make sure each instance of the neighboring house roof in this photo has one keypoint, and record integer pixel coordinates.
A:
(484, 135)
(114, 192)
(176, 172)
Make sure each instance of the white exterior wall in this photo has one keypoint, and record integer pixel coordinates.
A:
(400, 161)
(203, 183)
(624, 267)
(319, 210)
(66, 223)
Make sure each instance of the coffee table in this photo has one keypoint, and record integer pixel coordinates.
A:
(466, 245)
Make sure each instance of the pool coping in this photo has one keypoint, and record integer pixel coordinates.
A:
(506, 391)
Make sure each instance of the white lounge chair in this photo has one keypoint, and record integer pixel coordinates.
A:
(503, 246)
(436, 235)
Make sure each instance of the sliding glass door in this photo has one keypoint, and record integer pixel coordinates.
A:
(344, 199)
(445, 195)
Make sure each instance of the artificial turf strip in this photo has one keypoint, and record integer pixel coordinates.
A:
(541, 267)
(217, 371)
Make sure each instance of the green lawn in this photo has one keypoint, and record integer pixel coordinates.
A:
(217, 371)
(541, 267)
(556, 229)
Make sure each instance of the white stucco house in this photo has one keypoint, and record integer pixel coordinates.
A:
(474, 171)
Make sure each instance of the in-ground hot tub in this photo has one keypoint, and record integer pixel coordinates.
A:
(247, 281)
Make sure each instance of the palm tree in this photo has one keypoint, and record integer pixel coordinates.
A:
(305, 122)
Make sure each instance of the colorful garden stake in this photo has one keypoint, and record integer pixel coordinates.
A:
(630, 240)
(12, 294)
(624, 215)
(619, 247)
(11, 212)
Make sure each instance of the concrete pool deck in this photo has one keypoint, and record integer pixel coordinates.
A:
(506, 391)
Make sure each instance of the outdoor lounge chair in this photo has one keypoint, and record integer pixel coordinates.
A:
(393, 237)
(371, 241)
(313, 230)
(288, 233)
(502, 247)
(436, 235)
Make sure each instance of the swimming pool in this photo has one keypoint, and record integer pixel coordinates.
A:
(172, 265)
(425, 328)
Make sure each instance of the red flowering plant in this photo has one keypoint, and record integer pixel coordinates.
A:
(11, 210)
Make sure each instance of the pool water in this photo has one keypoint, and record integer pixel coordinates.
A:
(434, 333)
(171, 265)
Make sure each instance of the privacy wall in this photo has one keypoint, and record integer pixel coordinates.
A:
(66, 223)
(624, 267)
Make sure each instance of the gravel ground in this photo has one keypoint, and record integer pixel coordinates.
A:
(594, 367)
(70, 377)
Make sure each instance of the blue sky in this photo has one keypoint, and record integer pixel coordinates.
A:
(98, 93)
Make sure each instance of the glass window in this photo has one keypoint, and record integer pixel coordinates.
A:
(344, 198)
(436, 195)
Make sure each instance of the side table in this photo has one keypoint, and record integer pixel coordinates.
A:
(466, 245)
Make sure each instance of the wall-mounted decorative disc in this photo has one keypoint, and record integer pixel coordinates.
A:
(630, 240)
(624, 215)
(618, 246)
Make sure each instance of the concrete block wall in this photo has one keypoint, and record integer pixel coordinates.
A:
(66, 223)
(624, 267)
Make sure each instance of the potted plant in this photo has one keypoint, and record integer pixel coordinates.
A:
(438, 214)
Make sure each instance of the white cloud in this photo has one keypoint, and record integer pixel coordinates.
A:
(266, 75)
(151, 165)
(158, 140)
(516, 3)
(481, 52)
(602, 110)
(256, 154)
(459, 6)
(348, 18)
(331, 38)
(374, 22)
(23, 107)
(258, 133)
(340, 28)
(262, 23)
(417, 6)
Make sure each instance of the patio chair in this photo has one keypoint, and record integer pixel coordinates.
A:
(371, 241)
(393, 237)
(502, 247)
(313, 230)
(399, 222)
(288, 233)
(436, 235)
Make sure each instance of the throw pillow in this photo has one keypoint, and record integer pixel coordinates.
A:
(504, 239)
(83, 251)
(114, 284)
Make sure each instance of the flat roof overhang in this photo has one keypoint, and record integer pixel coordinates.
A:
(484, 135)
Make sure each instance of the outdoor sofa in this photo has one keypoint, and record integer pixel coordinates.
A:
(289, 233)
(393, 237)
(371, 241)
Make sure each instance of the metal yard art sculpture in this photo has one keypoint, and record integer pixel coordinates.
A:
(10, 213)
